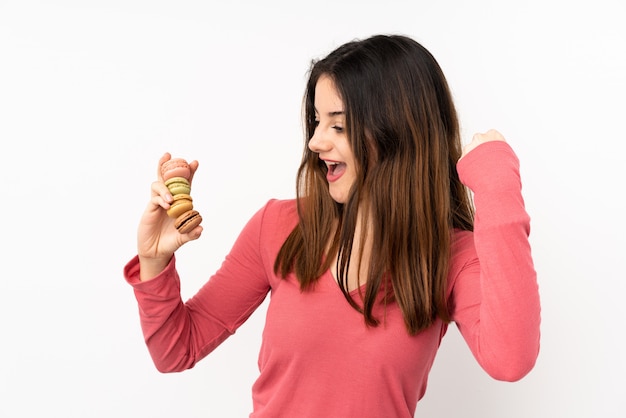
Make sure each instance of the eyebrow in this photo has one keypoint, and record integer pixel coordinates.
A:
(332, 114)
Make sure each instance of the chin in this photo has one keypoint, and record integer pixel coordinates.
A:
(339, 198)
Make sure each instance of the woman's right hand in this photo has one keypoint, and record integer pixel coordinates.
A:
(157, 238)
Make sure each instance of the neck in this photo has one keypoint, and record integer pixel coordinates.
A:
(359, 255)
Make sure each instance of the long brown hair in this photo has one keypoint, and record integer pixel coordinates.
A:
(403, 129)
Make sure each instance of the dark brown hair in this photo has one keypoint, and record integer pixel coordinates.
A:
(403, 129)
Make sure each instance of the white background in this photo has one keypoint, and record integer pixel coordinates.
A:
(93, 93)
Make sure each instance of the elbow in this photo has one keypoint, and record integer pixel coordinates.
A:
(165, 368)
(169, 363)
(514, 356)
(512, 373)
(170, 357)
(513, 368)
(169, 367)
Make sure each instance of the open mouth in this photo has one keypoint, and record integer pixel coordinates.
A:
(335, 170)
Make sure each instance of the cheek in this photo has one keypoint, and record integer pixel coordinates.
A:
(350, 178)
(353, 165)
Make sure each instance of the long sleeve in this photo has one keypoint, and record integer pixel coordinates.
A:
(495, 295)
(179, 334)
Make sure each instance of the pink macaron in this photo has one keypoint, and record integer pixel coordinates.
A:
(176, 167)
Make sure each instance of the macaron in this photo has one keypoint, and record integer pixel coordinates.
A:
(186, 222)
(181, 204)
(178, 185)
(176, 167)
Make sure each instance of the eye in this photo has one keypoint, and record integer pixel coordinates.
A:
(338, 128)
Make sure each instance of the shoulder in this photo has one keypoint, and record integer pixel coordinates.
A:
(266, 231)
(282, 206)
(277, 218)
(462, 243)
(279, 212)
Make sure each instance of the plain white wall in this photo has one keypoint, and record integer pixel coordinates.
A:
(92, 93)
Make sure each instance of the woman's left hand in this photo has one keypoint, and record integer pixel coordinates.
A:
(480, 138)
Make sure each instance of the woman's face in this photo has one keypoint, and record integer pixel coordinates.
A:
(330, 141)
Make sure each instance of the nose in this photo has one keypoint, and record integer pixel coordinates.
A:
(318, 143)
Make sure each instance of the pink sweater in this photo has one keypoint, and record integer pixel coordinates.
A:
(318, 359)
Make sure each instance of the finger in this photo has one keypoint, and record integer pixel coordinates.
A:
(157, 202)
(193, 166)
(166, 157)
(490, 135)
(478, 138)
(467, 148)
(192, 235)
(160, 190)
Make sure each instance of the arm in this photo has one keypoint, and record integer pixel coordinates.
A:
(495, 295)
(179, 334)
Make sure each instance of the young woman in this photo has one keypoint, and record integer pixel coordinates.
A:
(380, 250)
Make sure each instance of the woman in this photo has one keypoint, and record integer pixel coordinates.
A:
(377, 254)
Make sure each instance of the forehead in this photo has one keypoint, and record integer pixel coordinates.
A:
(327, 99)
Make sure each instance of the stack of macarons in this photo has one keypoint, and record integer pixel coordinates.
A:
(176, 174)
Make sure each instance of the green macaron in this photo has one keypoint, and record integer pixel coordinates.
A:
(178, 185)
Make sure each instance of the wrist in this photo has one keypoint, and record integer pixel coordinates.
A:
(150, 267)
